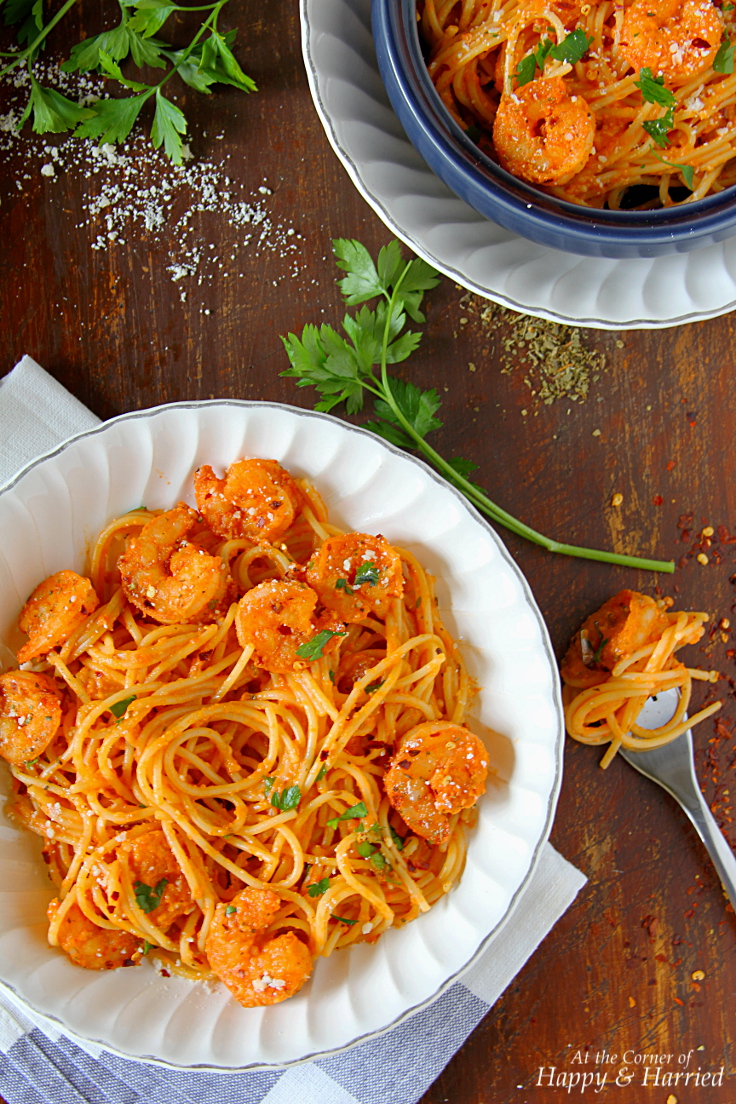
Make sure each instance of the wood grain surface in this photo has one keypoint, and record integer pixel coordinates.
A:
(657, 427)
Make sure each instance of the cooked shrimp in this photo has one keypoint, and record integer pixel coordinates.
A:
(439, 769)
(622, 625)
(257, 499)
(90, 946)
(355, 575)
(678, 38)
(56, 608)
(30, 714)
(277, 618)
(150, 861)
(543, 134)
(256, 968)
(170, 578)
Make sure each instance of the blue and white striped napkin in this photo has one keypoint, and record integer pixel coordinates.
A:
(40, 1065)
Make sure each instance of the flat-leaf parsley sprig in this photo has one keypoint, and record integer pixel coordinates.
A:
(342, 370)
(207, 60)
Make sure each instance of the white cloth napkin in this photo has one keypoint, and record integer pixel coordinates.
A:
(39, 1065)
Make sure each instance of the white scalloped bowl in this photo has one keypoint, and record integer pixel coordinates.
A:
(49, 515)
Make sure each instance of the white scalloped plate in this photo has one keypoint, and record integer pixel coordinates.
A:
(48, 516)
(414, 203)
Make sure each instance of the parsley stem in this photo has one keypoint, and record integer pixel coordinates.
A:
(29, 50)
(478, 497)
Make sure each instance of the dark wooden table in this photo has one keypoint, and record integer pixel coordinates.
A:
(617, 972)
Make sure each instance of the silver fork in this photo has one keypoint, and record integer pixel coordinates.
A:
(673, 768)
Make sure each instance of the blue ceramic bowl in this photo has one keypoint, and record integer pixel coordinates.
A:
(510, 202)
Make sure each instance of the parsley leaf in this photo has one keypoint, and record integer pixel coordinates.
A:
(658, 129)
(688, 172)
(168, 126)
(526, 69)
(653, 90)
(288, 800)
(418, 408)
(342, 584)
(118, 709)
(268, 785)
(398, 840)
(149, 898)
(230, 910)
(355, 812)
(373, 686)
(313, 648)
(318, 888)
(322, 773)
(112, 68)
(218, 62)
(378, 862)
(343, 919)
(365, 849)
(367, 573)
(723, 61)
(573, 47)
(113, 120)
(146, 947)
(52, 112)
(150, 16)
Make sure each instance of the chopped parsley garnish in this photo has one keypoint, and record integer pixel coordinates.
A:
(367, 573)
(688, 172)
(653, 90)
(723, 61)
(30, 762)
(318, 888)
(398, 840)
(146, 946)
(313, 648)
(289, 799)
(230, 910)
(571, 50)
(268, 785)
(344, 920)
(149, 898)
(373, 686)
(658, 129)
(342, 584)
(599, 650)
(365, 849)
(322, 773)
(573, 47)
(355, 812)
(378, 862)
(118, 709)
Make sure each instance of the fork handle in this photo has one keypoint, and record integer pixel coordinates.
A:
(715, 843)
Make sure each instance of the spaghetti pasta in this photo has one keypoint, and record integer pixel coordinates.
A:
(605, 104)
(623, 656)
(205, 747)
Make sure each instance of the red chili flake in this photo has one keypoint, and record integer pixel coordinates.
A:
(657, 500)
(671, 464)
(678, 1001)
(685, 535)
(722, 533)
(661, 958)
